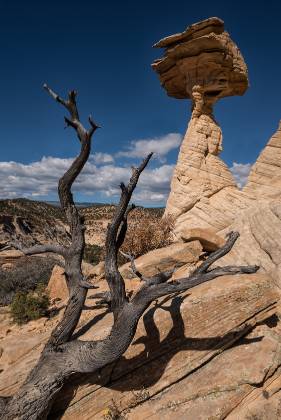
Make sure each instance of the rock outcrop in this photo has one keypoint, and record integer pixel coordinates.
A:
(202, 64)
(179, 343)
(264, 180)
(227, 205)
(57, 287)
(208, 238)
(204, 55)
(164, 259)
(259, 242)
(174, 341)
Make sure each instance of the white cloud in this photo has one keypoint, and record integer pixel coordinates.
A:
(99, 158)
(100, 175)
(161, 146)
(40, 179)
(241, 172)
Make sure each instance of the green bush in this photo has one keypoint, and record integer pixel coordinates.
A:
(93, 254)
(27, 306)
(24, 276)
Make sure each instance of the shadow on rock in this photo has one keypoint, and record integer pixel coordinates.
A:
(147, 367)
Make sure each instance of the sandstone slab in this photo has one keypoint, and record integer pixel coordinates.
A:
(214, 390)
(10, 256)
(172, 341)
(57, 288)
(259, 241)
(204, 54)
(164, 259)
(208, 238)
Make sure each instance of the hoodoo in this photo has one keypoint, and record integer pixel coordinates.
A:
(202, 64)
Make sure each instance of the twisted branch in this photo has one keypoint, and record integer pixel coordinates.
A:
(63, 355)
(76, 283)
(39, 249)
(114, 239)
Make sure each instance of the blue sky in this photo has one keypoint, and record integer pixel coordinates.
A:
(104, 50)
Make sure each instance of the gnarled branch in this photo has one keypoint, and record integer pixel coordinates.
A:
(64, 355)
(39, 249)
(153, 290)
(113, 241)
(73, 257)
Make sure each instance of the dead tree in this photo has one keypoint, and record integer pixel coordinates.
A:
(63, 356)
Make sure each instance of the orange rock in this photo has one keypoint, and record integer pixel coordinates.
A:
(219, 386)
(57, 287)
(264, 178)
(164, 259)
(176, 340)
(208, 238)
(7, 257)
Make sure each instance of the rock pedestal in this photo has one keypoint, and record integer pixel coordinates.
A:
(199, 171)
(202, 64)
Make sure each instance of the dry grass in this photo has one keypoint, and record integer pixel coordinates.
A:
(24, 276)
(147, 231)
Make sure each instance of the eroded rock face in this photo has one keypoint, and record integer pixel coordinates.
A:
(204, 55)
(259, 242)
(164, 259)
(265, 177)
(204, 65)
(199, 172)
(215, 212)
(208, 238)
(57, 287)
(174, 343)
(179, 342)
(228, 205)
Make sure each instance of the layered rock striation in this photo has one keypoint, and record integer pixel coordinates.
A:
(199, 172)
(202, 64)
(204, 55)
(264, 181)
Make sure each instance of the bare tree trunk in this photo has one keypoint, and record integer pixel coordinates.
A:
(63, 355)
(34, 399)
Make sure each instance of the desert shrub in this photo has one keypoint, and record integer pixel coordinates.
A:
(27, 306)
(93, 254)
(24, 276)
(147, 230)
(112, 412)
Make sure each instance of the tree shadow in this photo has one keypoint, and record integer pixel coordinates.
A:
(90, 323)
(132, 374)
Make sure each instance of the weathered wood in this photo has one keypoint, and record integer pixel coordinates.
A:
(64, 356)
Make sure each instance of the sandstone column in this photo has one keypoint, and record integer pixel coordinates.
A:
(202, 64)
